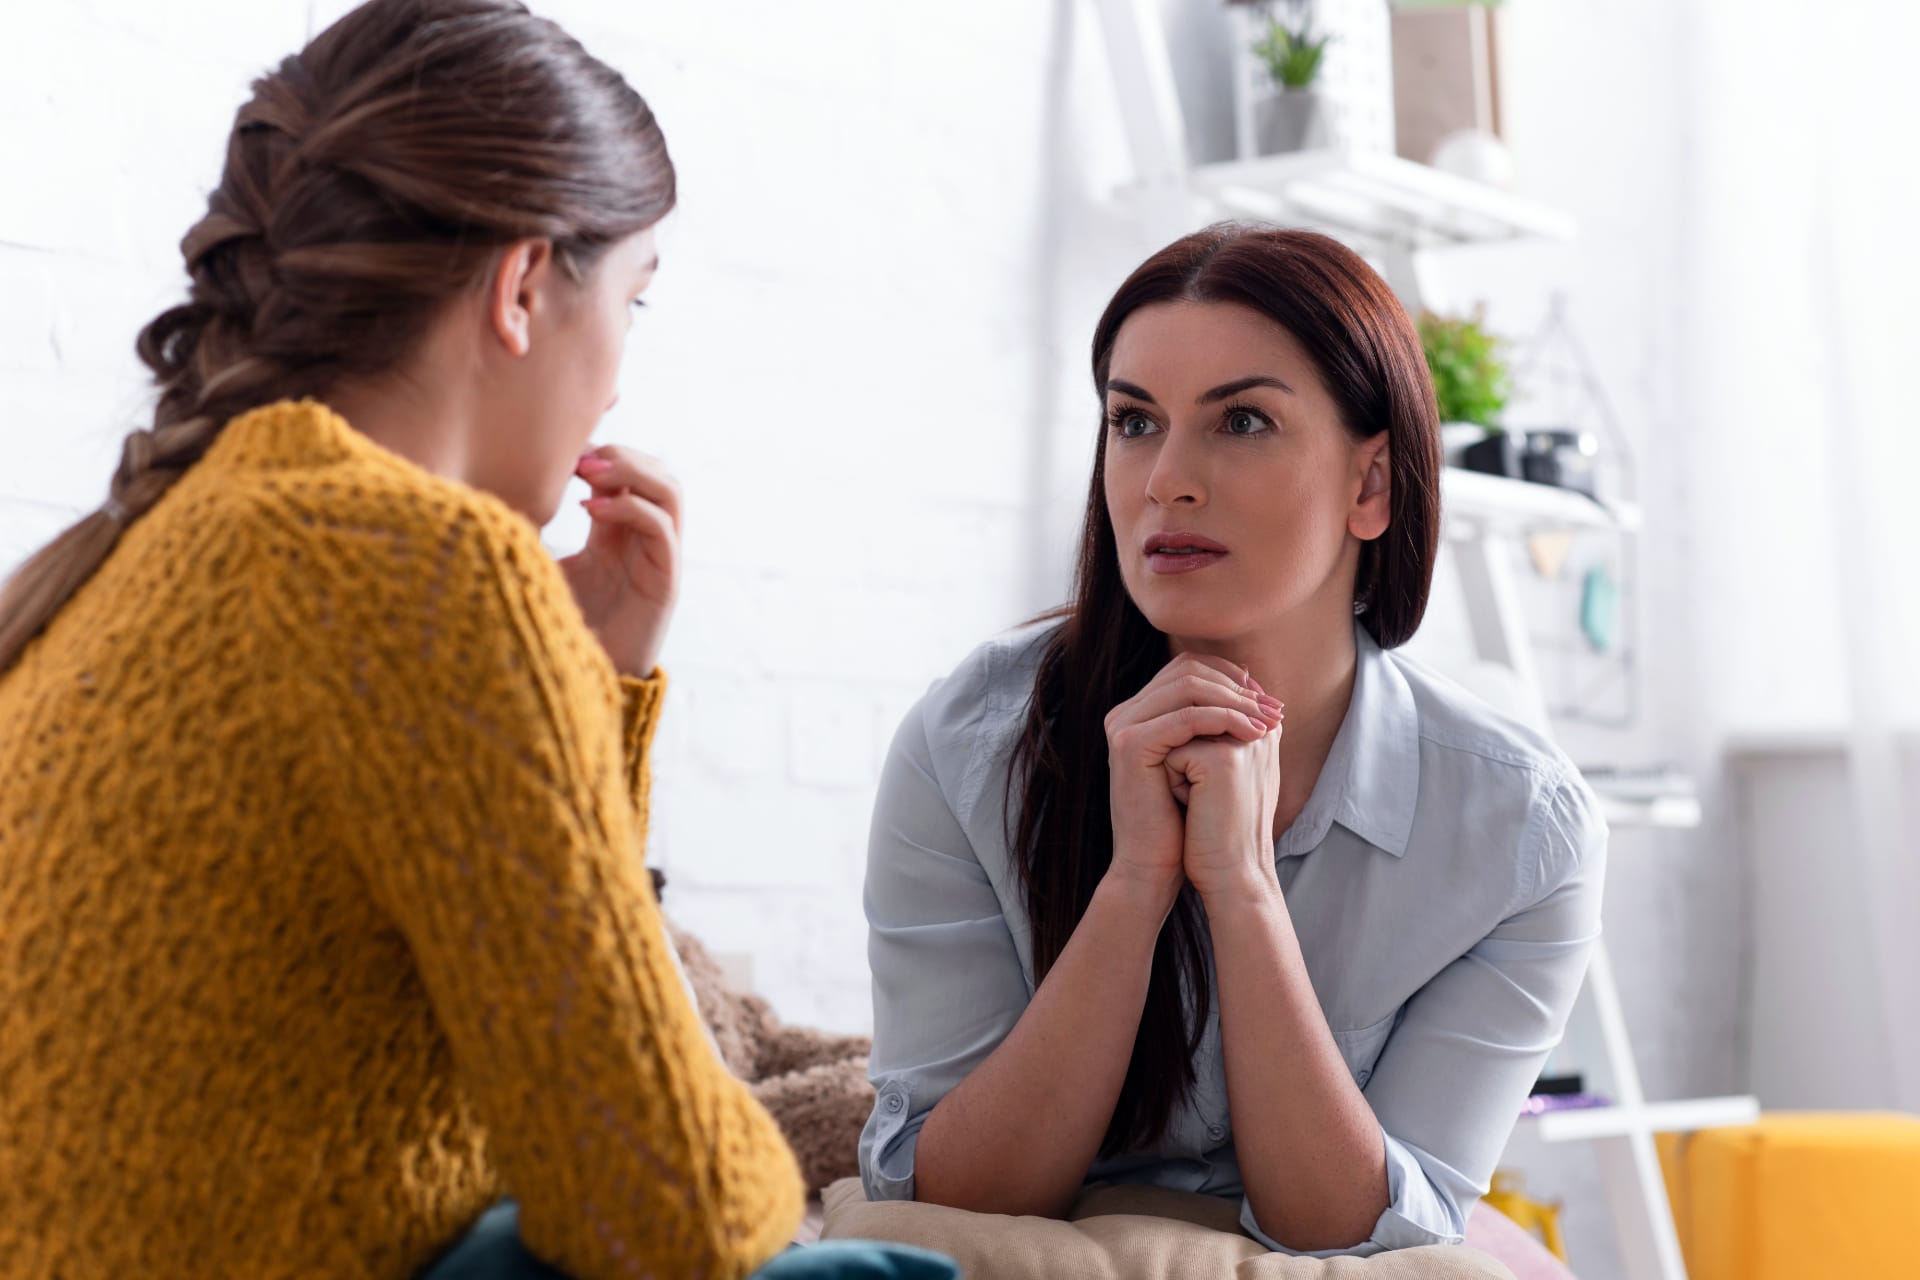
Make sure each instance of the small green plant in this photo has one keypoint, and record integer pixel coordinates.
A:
(1469, 367)
(1292, 54)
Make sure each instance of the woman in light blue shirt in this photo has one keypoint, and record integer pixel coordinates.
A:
(1125, 929)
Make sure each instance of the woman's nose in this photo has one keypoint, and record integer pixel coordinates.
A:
(1176, 475)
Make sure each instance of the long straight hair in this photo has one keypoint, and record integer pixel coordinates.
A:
(1105, 651)
(370, 178)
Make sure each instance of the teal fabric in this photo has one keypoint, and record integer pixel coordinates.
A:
(491, 1250)
(859, 1260)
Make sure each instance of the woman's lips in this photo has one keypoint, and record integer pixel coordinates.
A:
(1178, 551)
(1182, 561)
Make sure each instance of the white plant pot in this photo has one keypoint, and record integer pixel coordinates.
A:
(1293, 120)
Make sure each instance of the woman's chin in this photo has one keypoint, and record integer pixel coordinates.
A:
(1191, 621)
(539, 508)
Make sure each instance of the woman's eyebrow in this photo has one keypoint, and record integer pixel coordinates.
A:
(1221, 392)
(1238, 385)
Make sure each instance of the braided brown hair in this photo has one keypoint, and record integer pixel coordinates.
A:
(371, 177)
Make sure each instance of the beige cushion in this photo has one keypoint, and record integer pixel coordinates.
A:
(1123, 1233)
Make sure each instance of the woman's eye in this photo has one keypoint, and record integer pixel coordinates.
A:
(1242, 423)
(1133, 424)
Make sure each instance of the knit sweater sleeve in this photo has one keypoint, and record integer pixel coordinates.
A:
(640, 702)
(497, 800)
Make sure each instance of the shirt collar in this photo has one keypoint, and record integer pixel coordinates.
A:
(1371, 779)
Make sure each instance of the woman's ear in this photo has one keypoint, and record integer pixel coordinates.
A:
(514, 293)
(1373, 506)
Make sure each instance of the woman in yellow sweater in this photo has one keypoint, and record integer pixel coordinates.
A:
(323, 918)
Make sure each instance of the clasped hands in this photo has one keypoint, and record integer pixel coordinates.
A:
(1195, 764)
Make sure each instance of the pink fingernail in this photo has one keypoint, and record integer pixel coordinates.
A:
(594, 466)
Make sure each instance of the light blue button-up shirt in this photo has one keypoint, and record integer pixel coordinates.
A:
(1443, 879)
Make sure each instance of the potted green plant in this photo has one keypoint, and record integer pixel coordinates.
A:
(1469, 367)
(1472, 383)
(1295, 118)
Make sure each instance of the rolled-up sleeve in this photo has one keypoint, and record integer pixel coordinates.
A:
(947, 980)
(1450, 1082)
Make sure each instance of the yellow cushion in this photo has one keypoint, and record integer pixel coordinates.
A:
(1797, 1195)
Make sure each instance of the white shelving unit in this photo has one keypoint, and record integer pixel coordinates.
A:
(1381, 201)
(1395, 212)
(1655, 1117)
(1485, 516)
(1387, 208)
(1661, 811)
(1496, 504)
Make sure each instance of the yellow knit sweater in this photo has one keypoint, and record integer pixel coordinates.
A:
(323, 922)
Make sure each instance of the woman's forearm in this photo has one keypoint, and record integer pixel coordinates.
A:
(1020, 1132)
(1310, 1151)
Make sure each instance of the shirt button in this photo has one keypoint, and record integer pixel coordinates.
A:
(895, 1102)
(1216, 1131)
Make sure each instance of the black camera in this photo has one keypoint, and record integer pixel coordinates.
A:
(1563, 458)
